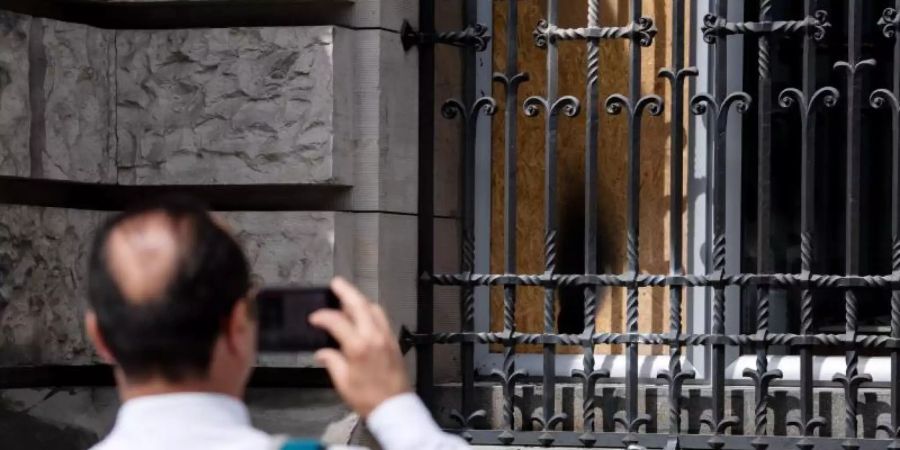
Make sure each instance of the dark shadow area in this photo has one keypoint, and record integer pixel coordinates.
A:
(825, 400)
(870, 409)
(150, 15)
(21, 431)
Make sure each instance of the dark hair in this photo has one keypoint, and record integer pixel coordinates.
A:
(171, 336)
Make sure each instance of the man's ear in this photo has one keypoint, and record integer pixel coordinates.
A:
(239, 325)
(93, 331)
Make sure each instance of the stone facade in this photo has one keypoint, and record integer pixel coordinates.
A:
(203, 106)
(266, 106)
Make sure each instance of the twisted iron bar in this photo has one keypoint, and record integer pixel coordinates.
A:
(510, 375)
(718, 113)
(588, 374)
(852, 379)
(826, 97)
(837, 341)
(675, 376)
(642, 31)
(777, 280)
(715, 27)
(452, 109)
(474, 36)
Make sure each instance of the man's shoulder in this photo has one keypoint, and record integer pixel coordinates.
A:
(252, 440)
(236, 438)
(312, 444)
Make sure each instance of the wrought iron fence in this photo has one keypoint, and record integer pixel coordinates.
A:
(719, 106)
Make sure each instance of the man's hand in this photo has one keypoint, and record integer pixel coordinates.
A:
(369, 368)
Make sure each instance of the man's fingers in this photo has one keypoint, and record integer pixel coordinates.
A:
(337, 324)
(355, 304)
(333, 361)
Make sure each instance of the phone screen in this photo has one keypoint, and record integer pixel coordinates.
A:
(284, 319)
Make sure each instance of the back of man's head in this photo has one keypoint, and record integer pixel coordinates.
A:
(164, 278)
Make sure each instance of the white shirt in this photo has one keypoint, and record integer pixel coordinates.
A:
(199, 421)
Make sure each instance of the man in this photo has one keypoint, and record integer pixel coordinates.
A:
(171, 309)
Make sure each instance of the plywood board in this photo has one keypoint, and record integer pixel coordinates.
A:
(612, 166)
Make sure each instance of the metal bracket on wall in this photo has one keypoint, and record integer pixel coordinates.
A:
(474, 35)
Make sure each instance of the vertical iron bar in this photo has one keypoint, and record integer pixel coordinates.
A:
(807, 225)
(675, 212)
(509, 203)
(590, 208)
(895, 234)
(425, 306)
(854, 92)
(550, 220)
(467, 313)
(718, 226)
(633, 218)
(764, 199)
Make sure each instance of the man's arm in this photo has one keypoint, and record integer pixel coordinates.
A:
(404, 423)
(369, 374)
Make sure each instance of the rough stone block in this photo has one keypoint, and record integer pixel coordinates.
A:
(43, 255)
(78, 92)
(43, 260)
(291, 247)
(15, 112)
(238, 105)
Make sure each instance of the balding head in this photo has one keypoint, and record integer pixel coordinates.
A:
(143, 253)
(163, 278)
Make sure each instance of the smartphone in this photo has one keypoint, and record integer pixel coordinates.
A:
(284, 318)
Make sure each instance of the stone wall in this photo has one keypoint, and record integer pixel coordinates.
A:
(268, 106)
(217, 106)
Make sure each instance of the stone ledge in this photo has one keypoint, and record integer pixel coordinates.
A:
(230, 197)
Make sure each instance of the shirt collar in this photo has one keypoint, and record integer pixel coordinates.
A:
(195, 408)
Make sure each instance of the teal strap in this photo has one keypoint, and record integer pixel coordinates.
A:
(302, 444)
